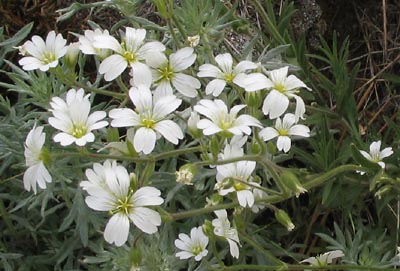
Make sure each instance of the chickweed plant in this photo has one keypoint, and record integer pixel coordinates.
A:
(156, 146)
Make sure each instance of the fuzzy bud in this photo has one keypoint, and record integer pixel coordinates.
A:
(135, 257)
(192, 125)
(71, 57)
(284, 219)
(208, 228)
(291, 182)
(254, 99)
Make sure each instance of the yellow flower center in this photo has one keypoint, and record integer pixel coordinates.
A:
(229, 77)
(79, 131)
(283, 132)
(130, 57)
(167, 73)
(239, 185)
(124, 206)
(281, 88)
(226, 122)
(196, 250)
(48, 57)
(148, 123)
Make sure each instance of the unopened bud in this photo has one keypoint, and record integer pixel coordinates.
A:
(254, 99)
(192, 125)
(133, 179)
(208, 228)
(291, 182)
(214, 146)
(135, 257)
(284, 219)
(255, 147)
(71, 57)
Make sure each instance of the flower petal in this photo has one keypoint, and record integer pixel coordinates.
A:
(117, 229)
(144, 140)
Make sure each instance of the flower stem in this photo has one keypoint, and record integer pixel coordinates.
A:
(201, 211)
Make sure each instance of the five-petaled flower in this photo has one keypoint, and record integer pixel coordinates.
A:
(35, 157)
(129, 52)
(167, 73)
(283, 130)
(281, 87)
(376, 155)
(42, 54)
(149, 117)
(71, 116)
(220, 120)
(109, 189)
(224, 74)
(193, 246)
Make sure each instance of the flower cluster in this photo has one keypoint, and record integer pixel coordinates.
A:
(165, 104)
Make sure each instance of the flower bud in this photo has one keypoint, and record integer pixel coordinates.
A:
(291, 182)
(133, 179)
(284, 219)
(71, 57)
(185, 174)
(192, 125)
(255, 147)
(135, 257)
(253, 99)
(208, 228)
(214, 146)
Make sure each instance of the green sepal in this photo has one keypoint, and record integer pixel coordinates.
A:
(112, 135)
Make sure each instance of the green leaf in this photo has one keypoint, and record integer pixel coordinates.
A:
(18, 37)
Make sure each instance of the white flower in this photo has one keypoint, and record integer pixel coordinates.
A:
(129, 52)
(234, 177)
(109, 190)
(87, 41)
(34, 156)
(282, 88)
(223, 74)
(222, 228)
(149, 117)
(72, 118)
(193, 246)
(220, 120)
(376, 155)
(167, 73)
(283, 130)
(324, 259)
(42, 54)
